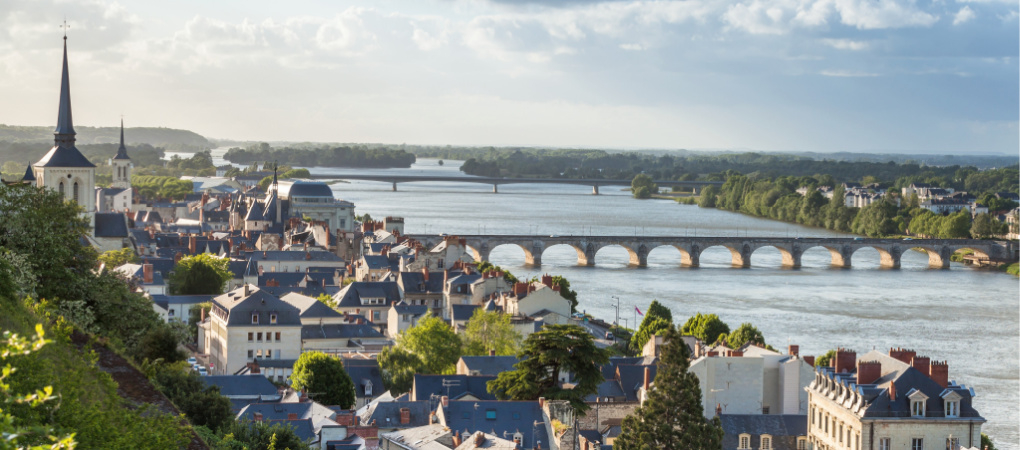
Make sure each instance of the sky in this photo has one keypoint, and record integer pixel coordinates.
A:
(931, 76)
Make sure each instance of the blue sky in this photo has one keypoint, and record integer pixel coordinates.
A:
(818, 75)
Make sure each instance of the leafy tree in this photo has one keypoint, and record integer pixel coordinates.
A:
(656, 309)
(708, 197)
(556, 347)
(654, 327)
(203, 404)
(296, 173)
(160, 343)
(324, 378)
(706, 327)
(245, 434)
(672, 416)
(490, 330)
(986, 442)
(826, 359)
(565, 291)
(431, 347)
(743, 334)
(117, 258)
(642, 186)
(201, 274)
(985, 226)
(327, 300)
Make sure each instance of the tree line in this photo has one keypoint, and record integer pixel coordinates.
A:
(327, 156)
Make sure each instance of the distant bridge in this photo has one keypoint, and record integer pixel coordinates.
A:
(495, 181)
(741, 248)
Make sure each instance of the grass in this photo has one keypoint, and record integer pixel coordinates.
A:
(1013, 269)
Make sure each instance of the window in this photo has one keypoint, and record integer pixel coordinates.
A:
(952, 443)
(251, 337)
(840, 433)
(171, 312)
(272, 318)
(885, 444)
(251, 354)
(745, 442)
(277, 336)
(259, 337)
(76, 195)
(375, 316)
(917, 408)
(60, 188)
(801, 443)
(766, 442)
(269, 354)
(490, 414)
(917, 444)
(952, 408)
(255, 319)
(765, 410)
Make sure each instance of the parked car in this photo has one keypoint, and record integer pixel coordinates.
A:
(192, 360)
(202, 371)
(609, 335)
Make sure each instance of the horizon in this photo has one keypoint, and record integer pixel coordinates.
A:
(698, 75)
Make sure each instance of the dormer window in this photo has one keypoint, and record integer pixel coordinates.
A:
(745, 442)
(952, 404)
(766, 442)
(272, 318)
(254, 318)
(917, 408)
(368, 388)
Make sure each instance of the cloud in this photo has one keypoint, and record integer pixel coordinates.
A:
(846, 74)
(846, 44)
(964, 15)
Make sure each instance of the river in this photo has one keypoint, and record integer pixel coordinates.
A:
(969, 318)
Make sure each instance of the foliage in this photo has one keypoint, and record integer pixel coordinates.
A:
(201, 274)
(344, 156)
(656, 309)
(13, 434)
(117, 258)
(39, 224)
(706, 327)
(490, 330)
(642, 186)
(986, 442)
(324, 379)
(248, 435)
(568, 348)
(153, 186)
(826, 359)
(160, 343)
(649, 327)
(743, 334)
(327, 300)
(202, 404)
(672, 415)
(485, 266)
(986, 226)
(953, 226)
(565, 291)
(431, 347)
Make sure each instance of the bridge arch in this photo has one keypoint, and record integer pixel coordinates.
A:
(585, 254)
(638, 257)
(841, 256)
(740, 254)
(790, 254)
(889, 255)
(530, 258)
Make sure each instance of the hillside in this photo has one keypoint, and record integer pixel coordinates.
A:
(167, 138)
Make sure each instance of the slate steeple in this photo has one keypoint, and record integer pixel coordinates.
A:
(64, 133)
(122, 150)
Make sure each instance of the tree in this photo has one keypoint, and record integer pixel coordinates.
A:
(826, 359)
(201, 274)
(743, 334)
(326, 299)
(986, 442)
(642, 186)
(956, 225)
(203, 404)
(245, 434)
(324, 379)
(431, 347)
(117, 258)
(565, 291)
(398, 368)
(708, 197)
(490, 330)
(672, 416)
(555, 348)
(160, 343)
(706, 327)
(654, 327)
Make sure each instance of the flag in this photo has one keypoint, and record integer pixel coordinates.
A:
(638, 311)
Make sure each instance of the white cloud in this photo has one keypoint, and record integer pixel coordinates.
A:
(847, 74)
(632, 47)
(846, 44)
(964, 15)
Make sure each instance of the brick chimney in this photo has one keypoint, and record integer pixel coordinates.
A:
(492, 352)
(253, 367)
(147, 273)
(303, 397)
(405, 416)
(736, 353)
(258, 417)
(291, 416)
(845, 360)
(939, 373)
(445, 400)
(456, 440)
(921, 363)
(892, 392)
(810, 360)
(868, 372)
(547, 280)
(541, 402)
(192, 244)
(425, 274)
(648, 377)
(479, 439)
(902, 354)
(718, 409)
(793, 350)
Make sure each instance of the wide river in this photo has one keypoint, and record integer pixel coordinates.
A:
(969, 318)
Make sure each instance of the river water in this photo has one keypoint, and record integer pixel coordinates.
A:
(967, 317)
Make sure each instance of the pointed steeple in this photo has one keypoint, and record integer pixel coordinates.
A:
(64, 134)
(29, 175)
(122, 150)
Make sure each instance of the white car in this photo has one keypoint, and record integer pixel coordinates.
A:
(192, 360)
(202, 371)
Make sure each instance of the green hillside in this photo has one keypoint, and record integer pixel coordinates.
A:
(168, 138)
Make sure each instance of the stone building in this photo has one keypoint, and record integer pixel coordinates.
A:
(890, 401)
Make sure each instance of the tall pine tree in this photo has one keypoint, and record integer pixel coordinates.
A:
(671, 417)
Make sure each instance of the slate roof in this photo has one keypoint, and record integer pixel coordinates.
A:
(309, 306)
(60, 156)
(341, 331)
(29, 175)
(376, 262)
(784, 429)
(350, 296)
(241, 385)
(300, 188)
(414, 282)
(303, 428)
(414, 310)
(182, 299)
(312, 290)
(426, 385)
(463, 313)
(365, 369)
(425, 437)
(111, 225)
(501, 418)
(240, 309)
(280, 255)
(489, 365)
(387, 414)
(280, 411)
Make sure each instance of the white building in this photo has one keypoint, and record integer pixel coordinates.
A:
(755, 381)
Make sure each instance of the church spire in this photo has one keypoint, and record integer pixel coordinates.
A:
(64, 134)
(122, 150)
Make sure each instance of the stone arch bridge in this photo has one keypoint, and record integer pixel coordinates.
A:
(741, 248)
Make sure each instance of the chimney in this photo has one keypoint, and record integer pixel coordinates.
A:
(253, 367)
(845, 360)
(262, 270)
(445, 400)
(258, 417)
(405, 416)
(247, 289)
(712, 353)
(479, 439)
(868, 372)
(541, 402)
(892, 391)
(192, 244)
(648, 377)
(492, 352)
(793, 350)
(547, 280)
(291, 416)
(178, 257)
(425, 274)
(939, 373)
(736, 353)
(147, 273)
(303, 397)
(921, 363)
(308, 256)
(718, 409)
(203, 314)
(902, 354)
(810, 360)
(456, 440)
